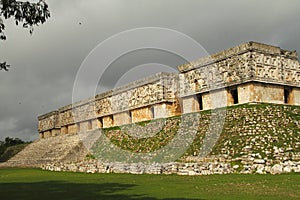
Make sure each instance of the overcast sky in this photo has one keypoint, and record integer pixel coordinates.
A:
(44, 65)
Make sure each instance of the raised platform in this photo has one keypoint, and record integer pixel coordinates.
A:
(64, 148)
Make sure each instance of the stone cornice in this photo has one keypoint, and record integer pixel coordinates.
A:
(237, 50)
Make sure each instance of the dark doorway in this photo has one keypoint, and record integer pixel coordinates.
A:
(152, 111)
(130, 116)
(234, 94)
(112, 120)
(200, 101)
(100, 123)
(287, 93)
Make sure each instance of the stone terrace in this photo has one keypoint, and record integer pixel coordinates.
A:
(64, 148)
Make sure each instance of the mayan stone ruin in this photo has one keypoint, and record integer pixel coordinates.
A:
(248, 73)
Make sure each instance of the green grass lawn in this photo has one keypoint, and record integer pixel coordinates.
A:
(38, 184)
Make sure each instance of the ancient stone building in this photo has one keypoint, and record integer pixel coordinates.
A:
(149, 98)
(249, 73)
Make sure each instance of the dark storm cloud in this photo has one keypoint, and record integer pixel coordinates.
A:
(44, 65)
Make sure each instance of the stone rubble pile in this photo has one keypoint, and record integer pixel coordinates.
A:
(204, 168)
(279, 168)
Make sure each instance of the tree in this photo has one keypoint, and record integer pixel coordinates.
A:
(26, 13)
(13, 141)
(9, 142)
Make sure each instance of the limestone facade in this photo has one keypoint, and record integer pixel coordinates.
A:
(145, 99)
(249, 73)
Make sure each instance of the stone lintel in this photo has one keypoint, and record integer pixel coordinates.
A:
(274, 82)
(215, 87)
(233, 84)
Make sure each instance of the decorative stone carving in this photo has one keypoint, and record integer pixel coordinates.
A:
(257, 72)
(48, 121)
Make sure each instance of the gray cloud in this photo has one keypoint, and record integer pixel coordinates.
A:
(44, 65)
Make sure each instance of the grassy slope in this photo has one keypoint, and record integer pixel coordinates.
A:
(261, 126)
(38, 184)
(11, 151)
(263, 129)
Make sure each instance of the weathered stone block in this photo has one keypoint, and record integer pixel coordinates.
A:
(160, 111)
(261, 92)
(142, 114)
(64, 130)
(97, 123)
(163, 110)
(55, 132)
(296, 96)
(73, 128)
(190, 104)
(85, 126)
(41, 135)
(122, 118)
(214, 99)
(108, 121)
(47, 134)
(244, 93)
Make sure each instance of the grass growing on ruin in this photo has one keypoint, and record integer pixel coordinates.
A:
(38, 184)
(248, 129)
(144, 145)
(257, 130)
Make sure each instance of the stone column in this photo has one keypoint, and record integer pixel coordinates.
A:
(214, 99)
(190, 104)
(141, 114)
(41, 135)
(108, 121)
(122, 118)
(64, 130)
(296, 96)
(97, 123)
(160, 111)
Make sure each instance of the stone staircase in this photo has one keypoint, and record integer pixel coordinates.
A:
(63, 148)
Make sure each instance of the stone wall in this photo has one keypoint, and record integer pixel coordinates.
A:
(255, 138)
(145, 99)
(250, 72)
(247, 62)
(48, 121)
(190, 169)
(249, 132)
(108, 121)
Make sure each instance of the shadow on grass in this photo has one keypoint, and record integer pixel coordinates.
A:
(55, 190)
